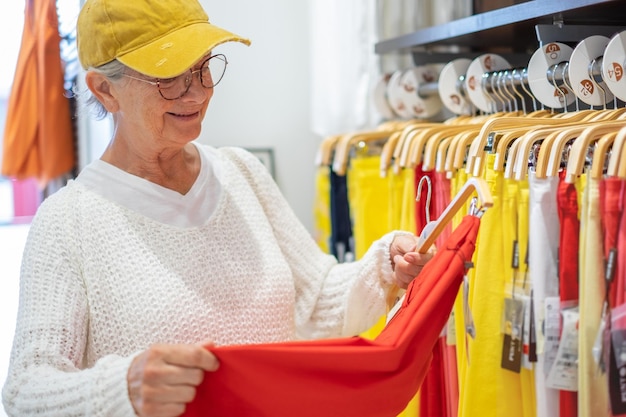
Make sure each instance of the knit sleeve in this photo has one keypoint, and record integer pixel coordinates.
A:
(47, 374)
(332, 299)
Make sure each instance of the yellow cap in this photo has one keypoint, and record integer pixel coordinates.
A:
(158, 38)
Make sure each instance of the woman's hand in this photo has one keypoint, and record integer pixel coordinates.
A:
(163, 379)
(406, 262)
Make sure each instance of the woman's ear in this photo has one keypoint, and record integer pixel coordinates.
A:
(102, 88)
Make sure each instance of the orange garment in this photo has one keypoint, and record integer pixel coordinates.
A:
(38, 136)
(348, 377)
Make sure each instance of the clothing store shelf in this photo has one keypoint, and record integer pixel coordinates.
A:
(511, 29)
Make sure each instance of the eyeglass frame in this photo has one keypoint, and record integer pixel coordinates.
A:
(157, 82)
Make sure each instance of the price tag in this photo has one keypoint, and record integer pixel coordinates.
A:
(513, 330)
(564, 372)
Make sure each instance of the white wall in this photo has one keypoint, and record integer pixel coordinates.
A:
(264, 98)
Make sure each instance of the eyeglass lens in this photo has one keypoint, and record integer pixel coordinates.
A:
(210, 73)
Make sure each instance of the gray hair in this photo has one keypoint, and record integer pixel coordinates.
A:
(112, 70)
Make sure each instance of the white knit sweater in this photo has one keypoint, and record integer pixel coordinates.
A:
(101, 281)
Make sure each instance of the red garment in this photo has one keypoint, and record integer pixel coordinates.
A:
(38, 135)
(347, 377)
(567, 202)
(611, 191)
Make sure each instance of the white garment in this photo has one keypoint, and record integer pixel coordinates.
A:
(101, 281)
(543, 241)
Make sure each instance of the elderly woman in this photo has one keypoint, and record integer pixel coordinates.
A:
(164, 246)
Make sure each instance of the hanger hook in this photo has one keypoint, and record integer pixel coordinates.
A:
(516, 91)
(565, 76)
(523, 79)
(429, 193)
(592, 64)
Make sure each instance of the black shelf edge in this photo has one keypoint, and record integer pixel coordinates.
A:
(512, 27)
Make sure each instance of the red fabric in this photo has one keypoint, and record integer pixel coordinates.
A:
(38, 135)
(567, 202)
(347, 377)
(611, 191)
(433, 390)
(620, 270)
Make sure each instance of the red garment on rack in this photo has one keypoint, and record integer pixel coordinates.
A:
(569, 241)
(347, 377)
(611, 192)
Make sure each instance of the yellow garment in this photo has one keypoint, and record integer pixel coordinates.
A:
(407, 217)
(592, 385)
(396, 184)
(527, 376)
(456, 183)
(486, 391)
(321, 208)
(368, 197)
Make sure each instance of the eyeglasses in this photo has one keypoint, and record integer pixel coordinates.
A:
(211, 72)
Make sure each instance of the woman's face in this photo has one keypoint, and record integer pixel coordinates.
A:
(144, 115)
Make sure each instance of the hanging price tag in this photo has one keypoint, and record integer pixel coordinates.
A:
(513, 329)
(551, 331)
(564, 372)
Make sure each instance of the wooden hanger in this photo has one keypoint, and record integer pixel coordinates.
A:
(503, 148)
(387, 152)
(473, 186)
(345, 143)
(603, 146)
(509, 166)
(462, 149)
(435, 134)
(531, 138)
(476, 158)
(442, 151)
(324, 154)
(432, 143)
(415, 138)
(567, 134)
(619, 163)
(578, 153)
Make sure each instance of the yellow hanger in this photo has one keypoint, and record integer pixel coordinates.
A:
(433, 229)
(603, 145)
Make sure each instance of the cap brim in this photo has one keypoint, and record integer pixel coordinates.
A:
(173, 54)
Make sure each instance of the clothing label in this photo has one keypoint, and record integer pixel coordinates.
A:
(599, 344)
(527, 327)
(451, 333)
(617, 371)
(532, 344)
(470, 330)
(564, 372)
(551, 330)
(513, 331)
